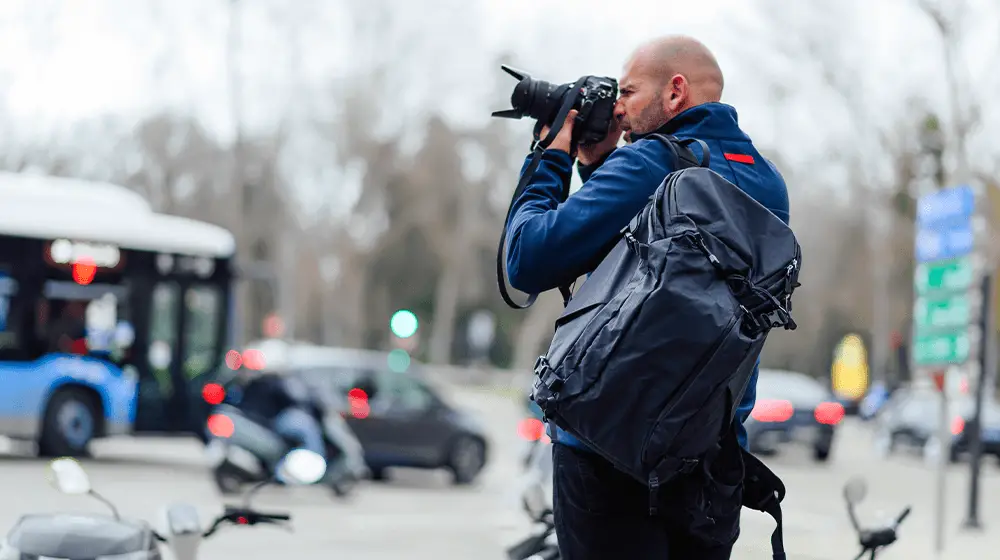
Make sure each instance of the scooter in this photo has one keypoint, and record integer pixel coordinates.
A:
(63, 535)
(245, 451)
(871, 540)
(541, 545)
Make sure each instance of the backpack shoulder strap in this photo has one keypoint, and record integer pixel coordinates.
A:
(681, 153)
(763, 491)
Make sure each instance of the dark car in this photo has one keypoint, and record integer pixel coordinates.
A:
(400, 419)
(792, 407)
(911, 420)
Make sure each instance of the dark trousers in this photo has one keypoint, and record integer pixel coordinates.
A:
(602, 513)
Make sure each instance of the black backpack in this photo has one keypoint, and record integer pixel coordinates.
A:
(653, 353)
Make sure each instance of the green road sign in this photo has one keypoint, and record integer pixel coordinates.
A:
(940, 349)
(950, 275)
(948, 312)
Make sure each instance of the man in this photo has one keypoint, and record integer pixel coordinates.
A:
(68, 333)
(672, 85)
(287, 404)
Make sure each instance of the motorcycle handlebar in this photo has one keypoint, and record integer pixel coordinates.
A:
(240, 516)
(902, 516)
(274, 516)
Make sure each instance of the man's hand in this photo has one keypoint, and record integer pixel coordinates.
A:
(564, 140)
(590, 153)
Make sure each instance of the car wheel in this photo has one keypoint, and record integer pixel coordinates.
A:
(931, 450)
(69, 425)
(953, 455)
(377, 474)
(466, 459)
(821, 454)
(345, 486)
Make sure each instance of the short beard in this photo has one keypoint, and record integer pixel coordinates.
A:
(652, 117)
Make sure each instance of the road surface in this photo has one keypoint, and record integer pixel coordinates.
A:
(419, 515)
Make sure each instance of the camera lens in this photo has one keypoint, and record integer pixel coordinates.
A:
(544, 102)
(535, 99)
(520, 99)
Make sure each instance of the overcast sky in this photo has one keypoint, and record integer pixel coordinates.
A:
(64, 61)
(67, 60)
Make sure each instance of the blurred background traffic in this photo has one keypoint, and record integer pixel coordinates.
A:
(198, 190)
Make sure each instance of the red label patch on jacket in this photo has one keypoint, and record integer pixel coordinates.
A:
(739, 158)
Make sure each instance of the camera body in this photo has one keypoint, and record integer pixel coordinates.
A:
(593, 97)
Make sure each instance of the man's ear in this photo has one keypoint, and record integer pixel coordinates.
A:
(677, 92)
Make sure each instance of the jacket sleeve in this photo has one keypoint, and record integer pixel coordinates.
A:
(552, 242)
(585, 171)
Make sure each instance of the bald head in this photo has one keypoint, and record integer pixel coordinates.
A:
(665, 77)
(666, 57)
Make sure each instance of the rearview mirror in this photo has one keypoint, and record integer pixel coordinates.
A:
(301, 467)
(855, 490)
(69, 477)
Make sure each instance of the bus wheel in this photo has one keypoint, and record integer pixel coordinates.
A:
(69, 425)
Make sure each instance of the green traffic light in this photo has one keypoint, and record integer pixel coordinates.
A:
(403, 323)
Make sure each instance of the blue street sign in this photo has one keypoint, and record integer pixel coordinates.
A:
(950, 207)
(940, 244)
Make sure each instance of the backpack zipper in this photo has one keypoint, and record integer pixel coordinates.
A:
(700, 242)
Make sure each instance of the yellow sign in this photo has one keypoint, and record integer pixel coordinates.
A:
(850, 368)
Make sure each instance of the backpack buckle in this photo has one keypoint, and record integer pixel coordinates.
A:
(640, 249)
(776, 318)
(750, 322)
(541, 363)
(546, 375)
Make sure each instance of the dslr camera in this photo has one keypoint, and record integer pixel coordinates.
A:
(593, 97)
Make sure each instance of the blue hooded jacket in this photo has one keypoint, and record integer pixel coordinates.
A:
(552, 241)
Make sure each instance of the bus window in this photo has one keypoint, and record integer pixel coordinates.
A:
(202, 305)
(10, 343)
(101, 319)
(163, 336)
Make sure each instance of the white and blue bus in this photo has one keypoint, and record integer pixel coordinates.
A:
(110, 314)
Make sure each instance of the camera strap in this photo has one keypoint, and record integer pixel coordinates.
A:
(537, 149)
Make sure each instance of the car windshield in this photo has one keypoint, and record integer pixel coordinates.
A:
(789, 385)
(334, 383)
